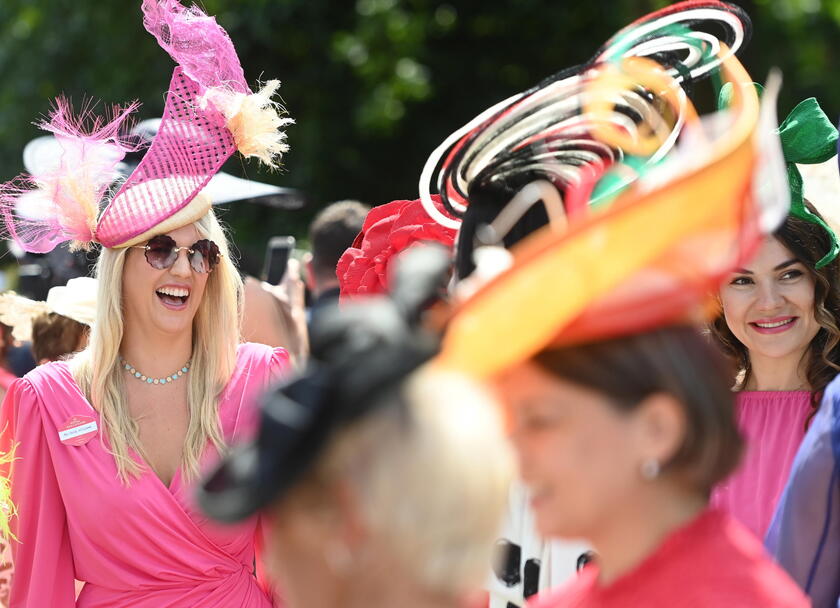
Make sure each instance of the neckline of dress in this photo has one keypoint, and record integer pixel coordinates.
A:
(62, 365)
(707, 520)
(797, 392)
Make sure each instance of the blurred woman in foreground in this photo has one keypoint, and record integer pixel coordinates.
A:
(621, 442)
(382, 482)
(401, 507)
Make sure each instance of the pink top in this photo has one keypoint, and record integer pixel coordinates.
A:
(773, 426)
(712, 561)
(141, 546)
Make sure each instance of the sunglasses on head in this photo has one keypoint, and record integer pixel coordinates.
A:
(162, 251)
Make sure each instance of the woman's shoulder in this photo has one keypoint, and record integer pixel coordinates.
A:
(258, 367)
(261, 358)
(48, 389)
(712, 561)
(254, 349)
(54, 377)
(728, 564)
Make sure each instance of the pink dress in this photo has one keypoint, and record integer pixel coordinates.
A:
(141, 546)
(773, 426)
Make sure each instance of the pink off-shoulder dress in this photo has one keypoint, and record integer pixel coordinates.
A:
(141, 546)
(773, 425)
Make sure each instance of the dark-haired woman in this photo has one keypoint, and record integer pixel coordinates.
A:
(780, 324)
(621, 442)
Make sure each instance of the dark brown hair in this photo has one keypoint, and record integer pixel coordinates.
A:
(808, 243)
(7, 340)
(332, 232)
(487, 200)
(55, 336)
(677, 361)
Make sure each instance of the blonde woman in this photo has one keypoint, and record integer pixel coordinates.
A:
(110, 443)
(402, 506)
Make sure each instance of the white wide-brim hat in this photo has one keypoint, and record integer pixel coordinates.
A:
(76, 300)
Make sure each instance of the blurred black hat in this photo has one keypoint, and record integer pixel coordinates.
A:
(359, 352)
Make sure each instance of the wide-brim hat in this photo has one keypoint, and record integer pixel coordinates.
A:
(653, 258)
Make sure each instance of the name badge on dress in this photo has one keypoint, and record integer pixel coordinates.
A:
(78, 430)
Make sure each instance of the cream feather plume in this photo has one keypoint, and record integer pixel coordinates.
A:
(256, 122)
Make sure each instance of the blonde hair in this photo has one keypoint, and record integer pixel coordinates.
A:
(215, 338)
(431, 478)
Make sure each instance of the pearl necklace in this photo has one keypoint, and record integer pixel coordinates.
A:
(148, 380)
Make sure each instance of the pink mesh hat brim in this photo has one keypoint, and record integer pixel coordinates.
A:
(192, 144)
(193, 140)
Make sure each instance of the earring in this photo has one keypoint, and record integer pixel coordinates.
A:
(650, 469)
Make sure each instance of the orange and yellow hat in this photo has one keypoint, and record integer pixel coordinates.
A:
(651, 258)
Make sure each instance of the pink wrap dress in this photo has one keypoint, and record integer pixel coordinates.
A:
(143, 545)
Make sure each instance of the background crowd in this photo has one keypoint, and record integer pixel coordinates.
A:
(374, 85)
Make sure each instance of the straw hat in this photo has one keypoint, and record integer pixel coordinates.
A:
(76, 300)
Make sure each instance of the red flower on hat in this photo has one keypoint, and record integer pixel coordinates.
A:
(388, 230)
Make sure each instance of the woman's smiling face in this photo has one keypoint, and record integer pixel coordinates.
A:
(578, 453)
(769, 304)
(164, 301)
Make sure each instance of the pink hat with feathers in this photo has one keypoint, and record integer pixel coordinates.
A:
(210, 113)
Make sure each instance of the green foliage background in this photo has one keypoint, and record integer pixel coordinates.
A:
(374, 85)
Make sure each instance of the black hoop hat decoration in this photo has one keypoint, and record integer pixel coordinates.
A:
(541, 139)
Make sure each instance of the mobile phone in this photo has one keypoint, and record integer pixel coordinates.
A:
(277, 258)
